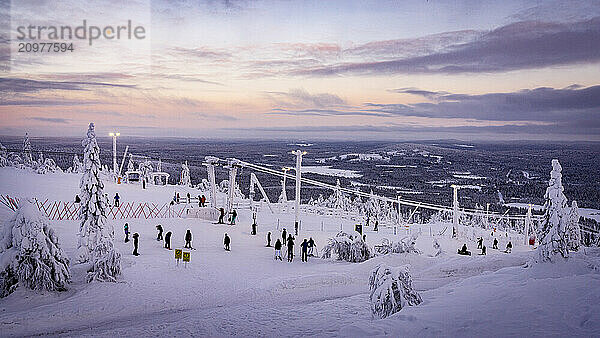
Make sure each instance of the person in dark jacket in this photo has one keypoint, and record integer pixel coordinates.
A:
(278, 250)
(77, 199)
(189, 197)
(117, 198)
(168, 240)
(188, 239)
(160, 231)
(226, 242)
(269, 238)
(304, 247)
(135, 244)
(203, 200)
(283, 235)
(233, 217)
(479, 242)
(508, 247)
(221, 216)
(126, 229)
(253, 228)
(376, 227)
(464, 251)
(495, 245)
(290, 246)
(311, 246)
(483, 250)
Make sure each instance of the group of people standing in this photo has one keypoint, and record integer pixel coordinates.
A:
(483, 248)
(307, 246)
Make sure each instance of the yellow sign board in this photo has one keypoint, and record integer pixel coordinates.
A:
(186, 256)
(177, 253)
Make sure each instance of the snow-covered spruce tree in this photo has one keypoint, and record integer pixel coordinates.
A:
(437, 247)
(347, 248)
(146, 169)
(185, 175)
(553, 230)
(96, 236)
(3, 156)
(391, 290)
(77, 166)
(573, 229)
(406, 245)
(30, 254)
(27, 158)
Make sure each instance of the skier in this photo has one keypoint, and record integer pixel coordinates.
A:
(203, 200)
(117, 199)
(269, 238)
(77, 199)
(226, 242)
(464, 251)
(304, 246)
(188, 239)
(233, 217)
(311, 246)
(278, 250)
(168, 240)
(135, 244)
(144, 183)
(221, 216)
(189, 197)
(454, 235)
(508, 247)
(479, 242)
(177, 196)
(495, 245)
(376, 228)
(283, 235)
(290, 246)
(126, 229)
(160, 231)
(199, 201)
(365, 238)
(483, 250)
(296, 228)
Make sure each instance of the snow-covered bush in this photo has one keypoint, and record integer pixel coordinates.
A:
(49, 166)
(553, 232)
(77, 165)
(347, 248)
(405, 245)
(30, 253)
(573, 228)
(96, 236)
(3, 156)
(27, 150)
(145, 169)
(391, 290)
(437, 247)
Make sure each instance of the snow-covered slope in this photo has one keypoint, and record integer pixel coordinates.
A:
(245, 292)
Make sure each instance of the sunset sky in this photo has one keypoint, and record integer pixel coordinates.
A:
(360, 70)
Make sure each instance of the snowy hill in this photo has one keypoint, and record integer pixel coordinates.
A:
(245, 292)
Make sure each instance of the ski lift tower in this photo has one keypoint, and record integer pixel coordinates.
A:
(299, 154)
(114, 137)
(210, 162)
(455, 211)
(233, 165)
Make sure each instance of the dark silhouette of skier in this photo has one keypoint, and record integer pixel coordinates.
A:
(189, 197)
(135, 244)
(311, 246)
(495, 245)
(126, 229)
(226, 242)
(203, 201)
(233, 217)
(168, 240)
(221, 216)
(160, 231)
(290, 246)
(188, 239)
(304, 246)
(177, 198)
(269, 238)
(479, 242)
(508, 247)
(77, 199)
(278, 250)
(254, 228)
(464, 251)
(117, 198)
(483, 250)
(376, 228)
(283, 235)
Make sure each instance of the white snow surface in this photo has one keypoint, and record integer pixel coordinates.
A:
(329, 171)
(245, 292)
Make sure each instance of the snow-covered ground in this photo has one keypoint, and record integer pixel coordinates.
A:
(329, 171)
(246, 293)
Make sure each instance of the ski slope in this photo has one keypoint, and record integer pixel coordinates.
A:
(245, 292)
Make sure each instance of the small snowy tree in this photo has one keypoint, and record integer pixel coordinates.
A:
(30, 253)
(3, 156)
(77, 166)
(437, 247)
(96, 237)
(552, 232)
(406, 245)
(391, 290)
(28, 159)
(185, 175)
(573, 228)
(146, 169)
(347, 248)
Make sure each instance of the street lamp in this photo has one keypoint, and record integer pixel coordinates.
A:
(114, 136)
